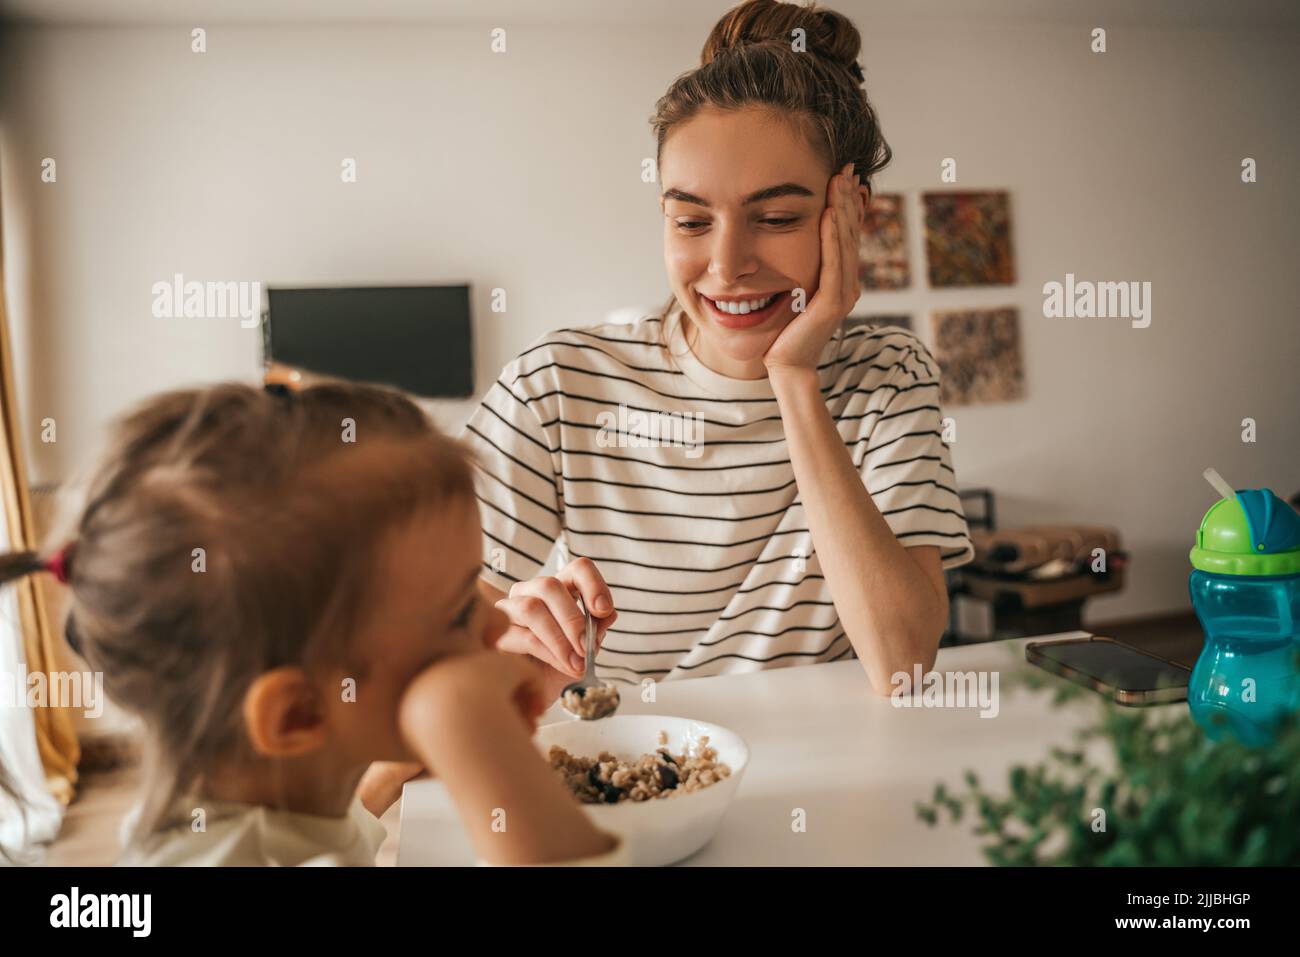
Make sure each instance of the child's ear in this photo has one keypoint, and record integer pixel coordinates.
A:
(283, 714)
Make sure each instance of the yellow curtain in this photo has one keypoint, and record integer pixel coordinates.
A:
(56, 735)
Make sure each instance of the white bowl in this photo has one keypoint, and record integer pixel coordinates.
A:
(663, 830)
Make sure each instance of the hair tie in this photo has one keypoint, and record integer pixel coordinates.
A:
(60, 564)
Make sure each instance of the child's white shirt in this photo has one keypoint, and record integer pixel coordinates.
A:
(243, 835)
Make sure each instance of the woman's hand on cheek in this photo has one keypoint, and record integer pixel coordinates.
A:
(801, 342)
(547, 623)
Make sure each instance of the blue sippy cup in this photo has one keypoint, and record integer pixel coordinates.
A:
(1245, 588)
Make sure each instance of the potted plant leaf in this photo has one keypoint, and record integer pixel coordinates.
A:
(1168, 795)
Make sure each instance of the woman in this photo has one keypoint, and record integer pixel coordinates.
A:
(742, 482)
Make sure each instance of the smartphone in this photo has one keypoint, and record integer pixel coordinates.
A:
(1131, 677)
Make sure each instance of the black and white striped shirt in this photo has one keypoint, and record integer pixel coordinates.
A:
(618, 444)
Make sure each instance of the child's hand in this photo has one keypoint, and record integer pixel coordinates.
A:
(381, 786)
(477, 687)
(546, 622)
(472, 716)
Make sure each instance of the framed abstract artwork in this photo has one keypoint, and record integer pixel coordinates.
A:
(978, 351)
(902, 320)
(882, 245)
(968, 239)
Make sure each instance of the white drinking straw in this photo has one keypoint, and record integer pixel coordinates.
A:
(1220, 486)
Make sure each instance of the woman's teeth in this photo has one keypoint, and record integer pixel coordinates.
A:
(744, 308)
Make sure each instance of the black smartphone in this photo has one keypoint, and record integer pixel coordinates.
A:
(1129, 676)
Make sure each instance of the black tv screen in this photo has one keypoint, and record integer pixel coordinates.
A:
(414, 337)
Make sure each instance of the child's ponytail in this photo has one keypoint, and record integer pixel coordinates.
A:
(16, 565)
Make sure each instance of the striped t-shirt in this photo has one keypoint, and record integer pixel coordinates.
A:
(618, 444)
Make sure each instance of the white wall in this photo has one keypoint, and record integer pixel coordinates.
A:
(522, 171)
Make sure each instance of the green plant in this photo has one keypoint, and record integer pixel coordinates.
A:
(1172, 796)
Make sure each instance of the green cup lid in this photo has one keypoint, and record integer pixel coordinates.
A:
(1253, 533)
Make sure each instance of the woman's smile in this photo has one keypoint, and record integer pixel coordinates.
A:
(745, 311)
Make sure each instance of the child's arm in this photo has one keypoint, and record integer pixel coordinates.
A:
(466, 717)
(381, 786)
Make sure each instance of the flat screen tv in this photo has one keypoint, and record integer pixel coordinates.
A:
(416, 338)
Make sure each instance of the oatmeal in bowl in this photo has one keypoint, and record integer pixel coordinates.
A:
(663, 783)
(608, 779)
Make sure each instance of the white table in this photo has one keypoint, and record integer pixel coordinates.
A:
(820, 740)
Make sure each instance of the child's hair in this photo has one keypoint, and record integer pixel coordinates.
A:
(231, 530)
(751, 59)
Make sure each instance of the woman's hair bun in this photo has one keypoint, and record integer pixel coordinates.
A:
(827, 34)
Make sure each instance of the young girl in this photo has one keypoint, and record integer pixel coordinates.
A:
(282, 587)
(747, 482)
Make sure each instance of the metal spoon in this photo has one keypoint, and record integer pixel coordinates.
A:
(589, 698)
